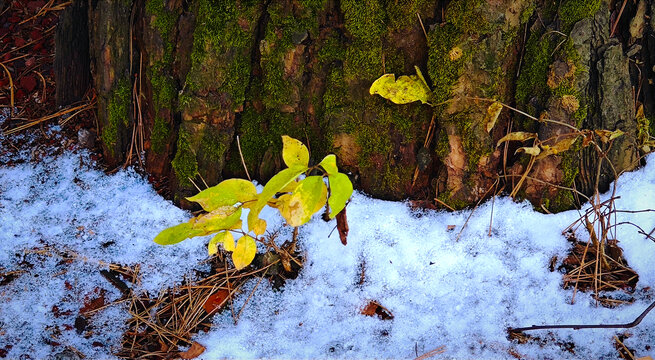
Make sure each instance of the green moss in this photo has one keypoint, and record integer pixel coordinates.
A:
(164, 88)
(463, 19)
(161, 131)
(222, 41)
(527, 13)
(117, 113)
(185, 164)
(564, 200)
(402, 13)
(366, 24)
(212, 148)
(165, 20)
(455, 203)
(572, 11)
(534, 73)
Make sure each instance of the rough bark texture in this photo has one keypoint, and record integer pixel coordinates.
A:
(260, 69)
(109, 29)
(71, 65)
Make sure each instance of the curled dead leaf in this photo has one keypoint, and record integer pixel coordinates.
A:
(194, 351)
(342, 226)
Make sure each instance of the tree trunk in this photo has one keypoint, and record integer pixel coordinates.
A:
(209, 71)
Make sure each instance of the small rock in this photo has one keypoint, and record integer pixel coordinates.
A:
(67, 355)
(86, 138)
(299, 37)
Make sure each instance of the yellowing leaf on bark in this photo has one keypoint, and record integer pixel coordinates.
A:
(244, 252)
(558, 147)
(493, 111)
(455, 53)
(404, 90)
(223, 218)
(294, 152)
(177, 233)
(225, 238)
(228, 192)
(329, 164)
(517, 136)
(340, 191)
(299, 207)
(533, 150)
(607, 136)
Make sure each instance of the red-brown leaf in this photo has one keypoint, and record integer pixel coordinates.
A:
(194, 351)
(374, 308)
(342, 226)
(216, 301)
(28, 83)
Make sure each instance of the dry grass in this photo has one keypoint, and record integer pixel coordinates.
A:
(160, 325)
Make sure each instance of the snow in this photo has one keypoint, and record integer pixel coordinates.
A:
(62, 221)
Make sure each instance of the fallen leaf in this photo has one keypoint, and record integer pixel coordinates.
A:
(194, 351)
(374, 308)
(93, 301)
(216, 301)
(342, 226)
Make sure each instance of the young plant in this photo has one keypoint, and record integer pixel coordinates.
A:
(296, 199)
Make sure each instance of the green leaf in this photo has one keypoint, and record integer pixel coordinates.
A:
(225, 238)
(405, 90)
(294, 152)
(244, 252)
(340, 191)
(272, 187)
(517, 136)
(222, 218)
(177, 233)
(228, 192)
(329, 164)
(299, 207)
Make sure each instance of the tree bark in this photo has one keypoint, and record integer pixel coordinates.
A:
(211, 71)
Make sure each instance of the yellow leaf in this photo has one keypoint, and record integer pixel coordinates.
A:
(294, 152)
(255, 224)
(298, 207)
(177, 233)
(493, 111)
(329, 164)
(533, 150)
(244, 252)
(404, 90)
(225, 238)
(223, 218)
(290, 187)
(558, 147)
(340, 191)
(228, 192)
(517, 136)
